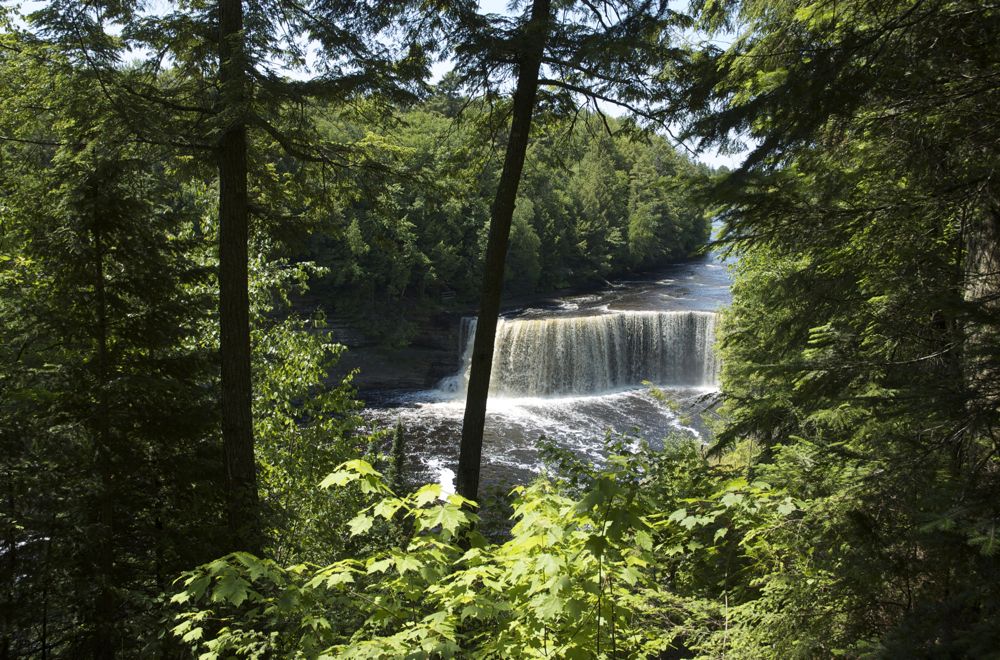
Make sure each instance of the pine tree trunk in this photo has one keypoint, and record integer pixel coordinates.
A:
(105, 605)
(234, 304)
(470, 455)
(982, 292)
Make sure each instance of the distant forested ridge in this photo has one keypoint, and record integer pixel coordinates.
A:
(598, 199)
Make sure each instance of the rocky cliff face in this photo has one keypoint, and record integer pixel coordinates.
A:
(432, 355)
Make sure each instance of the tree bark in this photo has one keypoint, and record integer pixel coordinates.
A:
(105, 604)
(529, 63)
(982, 293)
(234, 303)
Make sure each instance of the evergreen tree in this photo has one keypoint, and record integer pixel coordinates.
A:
(214, 72)
(860, 352)
(529, 61)
(601, 206)
(110, 455)
(523, 264)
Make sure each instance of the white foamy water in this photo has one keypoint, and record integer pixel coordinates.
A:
(515, 424)
(595, 354)
(573, 370)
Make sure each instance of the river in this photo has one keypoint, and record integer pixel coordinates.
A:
(573, 370)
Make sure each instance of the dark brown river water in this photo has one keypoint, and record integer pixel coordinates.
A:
(573, 371)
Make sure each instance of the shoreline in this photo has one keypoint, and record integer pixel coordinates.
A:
(434, 352)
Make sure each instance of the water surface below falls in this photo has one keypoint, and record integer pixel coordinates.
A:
(573, 370)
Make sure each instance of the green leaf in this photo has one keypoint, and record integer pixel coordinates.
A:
(690, 522)
(630, 575)
(360, 467)
(339, 478)
(388, 507)
(449, 517)
(406, 563)
(337, 579)
(787, 507)
(731, 499)
(427, 494)
(547, 606)
(457, 500)
(360, 524)
(232, 589)
(379, 566)
(596, 545)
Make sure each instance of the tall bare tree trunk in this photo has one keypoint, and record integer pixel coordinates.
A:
(105, 605)
(234, 304)
(530, 60)
(982, 291)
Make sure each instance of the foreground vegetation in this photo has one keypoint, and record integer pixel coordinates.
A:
(646, 556)
(847, 508)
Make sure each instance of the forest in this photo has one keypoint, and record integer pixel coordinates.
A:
(700, 411)
(597, 200)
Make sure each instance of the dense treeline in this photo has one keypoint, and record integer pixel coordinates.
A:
(598, 199)
(847, 507)
(860, 352)
(110, 451)
(107, 413)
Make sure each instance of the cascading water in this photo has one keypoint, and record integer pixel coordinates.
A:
(571, 369)
(594, 354)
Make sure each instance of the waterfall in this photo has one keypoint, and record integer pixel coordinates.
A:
(591, 354)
